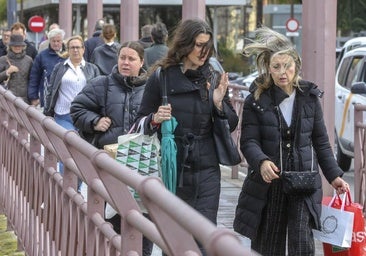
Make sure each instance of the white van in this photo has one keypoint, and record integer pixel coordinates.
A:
(350, 45)
(350, 89)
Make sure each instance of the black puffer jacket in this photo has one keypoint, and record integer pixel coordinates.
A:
(187, 95)
(260, 140)
(115, 96)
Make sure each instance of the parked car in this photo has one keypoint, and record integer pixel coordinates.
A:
(350, 89)
(351, 44)
(246, 81)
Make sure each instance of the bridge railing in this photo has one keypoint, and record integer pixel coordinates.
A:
(50, 217)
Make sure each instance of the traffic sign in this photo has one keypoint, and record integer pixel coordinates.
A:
(36, 24)
(292, 25)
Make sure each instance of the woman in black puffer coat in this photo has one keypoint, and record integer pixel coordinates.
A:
(186, 72)
(107, 107)
(282, 130)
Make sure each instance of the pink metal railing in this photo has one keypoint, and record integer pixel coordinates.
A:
(360, 156)
(237, 101)
(50, 217)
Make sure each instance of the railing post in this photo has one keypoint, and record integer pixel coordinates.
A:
(359, 148)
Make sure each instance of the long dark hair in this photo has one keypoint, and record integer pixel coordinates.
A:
(184, 41)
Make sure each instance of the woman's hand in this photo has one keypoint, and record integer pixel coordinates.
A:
(103, 124)
(340, 185)
(164, 113)
(220, 91)
(269, 171)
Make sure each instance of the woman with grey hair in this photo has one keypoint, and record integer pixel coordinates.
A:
(282, 131)
(43, 65)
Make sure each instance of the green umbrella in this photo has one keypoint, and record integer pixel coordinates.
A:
(169, 154)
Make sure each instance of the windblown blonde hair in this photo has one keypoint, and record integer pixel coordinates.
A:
(267, 44)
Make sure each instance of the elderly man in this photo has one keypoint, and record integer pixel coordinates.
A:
(44, 44)
(43, 66)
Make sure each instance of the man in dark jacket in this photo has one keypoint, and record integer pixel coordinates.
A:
(145, 39)
(95, 40)
(4, 41)
(158, 49)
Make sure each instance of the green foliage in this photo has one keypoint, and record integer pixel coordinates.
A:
(3, 14)
(8, 240)
(351, 16)
(233, 62)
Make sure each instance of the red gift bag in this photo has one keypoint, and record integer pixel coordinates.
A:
(358, 246)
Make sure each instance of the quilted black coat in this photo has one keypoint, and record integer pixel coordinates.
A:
(188, 97)
(260, 140)
(115, 96)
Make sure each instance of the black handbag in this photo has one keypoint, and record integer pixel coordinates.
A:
(226, 150)
(297, 182)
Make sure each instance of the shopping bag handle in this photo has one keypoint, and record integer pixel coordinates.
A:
(346, 197)
(140, 126)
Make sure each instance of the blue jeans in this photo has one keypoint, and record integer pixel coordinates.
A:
(66, 122)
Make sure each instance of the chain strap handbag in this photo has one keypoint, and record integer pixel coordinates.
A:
(226, 149)
(297, 182)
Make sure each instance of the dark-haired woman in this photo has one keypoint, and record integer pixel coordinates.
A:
(186, 72)
(99, 109)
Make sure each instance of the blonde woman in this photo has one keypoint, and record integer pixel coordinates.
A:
(282, 130)
(68, 78)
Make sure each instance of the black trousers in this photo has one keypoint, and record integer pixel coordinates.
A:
(285, 217)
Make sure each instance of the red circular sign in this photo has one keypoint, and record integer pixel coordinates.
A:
(36, 24)
(292, 25)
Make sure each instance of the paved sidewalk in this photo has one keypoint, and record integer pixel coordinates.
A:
(230, 189)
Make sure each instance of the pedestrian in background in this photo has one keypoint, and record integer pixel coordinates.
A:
(18, 28)
(105, 56)
(95, 41)
(43, 65)
(68, 78)
(4, 41)
(186, 72)
(15, 67)
(158, 49)
(282, 130)
(45, 43)
(145, 39)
